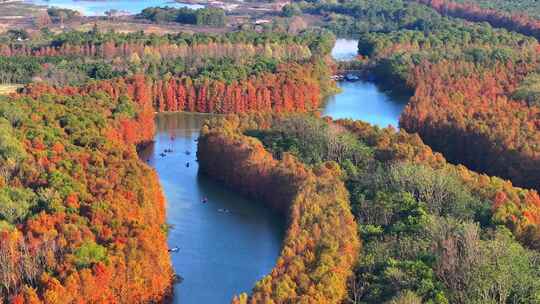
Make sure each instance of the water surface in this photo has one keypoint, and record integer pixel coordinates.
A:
(345, 49)
(99, 7)
(221, 253)
(361, 100)
(225, 253)
(365, 101)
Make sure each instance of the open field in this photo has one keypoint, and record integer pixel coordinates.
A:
(127, 24)
(6, 89)
(17, 10)
(18, 15)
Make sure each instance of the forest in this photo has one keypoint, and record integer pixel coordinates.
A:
(473, 95)
(473, 88)
(515, 20)
(350, 18)
(238, 73)
(509, 6)
(444, 209)
(203, 16)
(74, 58)
(431, 232)
(80, 212)
(320, 245)
(292, 88)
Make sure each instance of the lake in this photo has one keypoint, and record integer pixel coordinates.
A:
(98, 8)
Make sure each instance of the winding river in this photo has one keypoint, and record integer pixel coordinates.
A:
(361, 100)
(228, 243)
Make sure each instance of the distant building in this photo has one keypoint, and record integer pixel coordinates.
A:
(222, 5)
(262, 21)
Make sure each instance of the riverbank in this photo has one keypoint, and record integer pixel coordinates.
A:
(321, 243)
(225, 242)
(364, 100)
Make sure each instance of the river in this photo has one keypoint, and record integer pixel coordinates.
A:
(229, 243)
(361, 100)
(226, 244)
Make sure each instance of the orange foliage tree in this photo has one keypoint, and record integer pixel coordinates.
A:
(90, 214)
(517, 208)
(463, 110)
(518, 22)
(293, 88)
(321, 243)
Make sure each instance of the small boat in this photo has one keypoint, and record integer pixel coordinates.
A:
(351, 77)
(205, 200)
(187, 164)
(174, 249)
(224, 210)
(187, 152)
(178, 279)
(162, 154)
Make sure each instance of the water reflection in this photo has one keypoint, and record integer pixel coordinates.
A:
(226, 243)
(364, 101)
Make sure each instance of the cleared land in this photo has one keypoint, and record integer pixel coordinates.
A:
(6, 89)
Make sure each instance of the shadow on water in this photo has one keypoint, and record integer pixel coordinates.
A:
(226, 242)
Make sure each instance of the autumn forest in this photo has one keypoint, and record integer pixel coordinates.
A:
(441, 208)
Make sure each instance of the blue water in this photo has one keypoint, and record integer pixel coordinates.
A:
(221, 253)
(364, 101)
(99, 7)
(361, 100)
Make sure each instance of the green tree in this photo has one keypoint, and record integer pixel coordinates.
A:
(90, 253)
